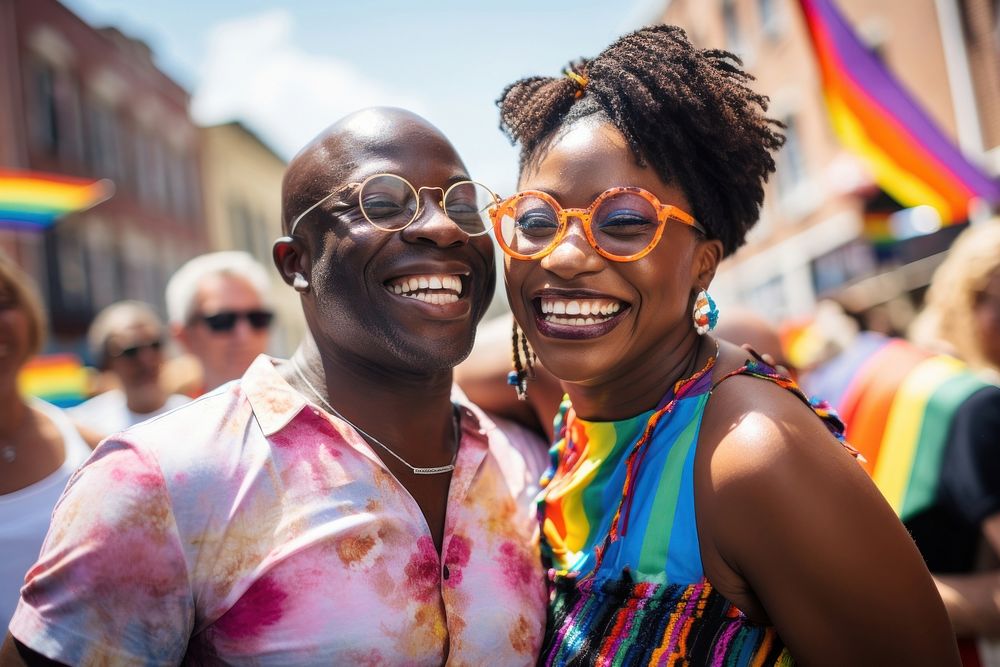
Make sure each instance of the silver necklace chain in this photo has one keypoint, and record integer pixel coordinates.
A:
(417, 470)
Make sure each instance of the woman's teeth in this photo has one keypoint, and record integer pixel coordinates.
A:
(579, 312)
(436, 289)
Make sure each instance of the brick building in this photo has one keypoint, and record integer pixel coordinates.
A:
(809, 243)
(80, 101)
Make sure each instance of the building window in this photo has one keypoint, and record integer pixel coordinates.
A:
(193, 191)
(841, 266)
(143, 166)
(68, 101)
(791, 164)
(158, 173)
(44, 114)
(176, 184)
(103, 271)
(68, 276)
(768, 297)
(771, 18)
(734, 38)
(248, 230)
(103, 148)
(128, 154)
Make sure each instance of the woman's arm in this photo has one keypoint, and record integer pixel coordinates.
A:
(800, 533)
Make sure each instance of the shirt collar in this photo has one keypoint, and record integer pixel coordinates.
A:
(275, 403)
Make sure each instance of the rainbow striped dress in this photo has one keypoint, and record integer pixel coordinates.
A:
(619, 534)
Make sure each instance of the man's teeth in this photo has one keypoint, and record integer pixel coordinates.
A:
(436, 289)
(579, 312)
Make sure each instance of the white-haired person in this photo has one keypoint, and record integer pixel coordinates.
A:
(127, 339)
(219, 309)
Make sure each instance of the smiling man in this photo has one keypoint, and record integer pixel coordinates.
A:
(341, 507)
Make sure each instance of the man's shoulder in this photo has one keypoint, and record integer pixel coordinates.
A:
(215, 424)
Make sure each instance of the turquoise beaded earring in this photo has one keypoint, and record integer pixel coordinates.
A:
(705, 313)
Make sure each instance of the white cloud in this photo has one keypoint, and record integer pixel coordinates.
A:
(255, 72)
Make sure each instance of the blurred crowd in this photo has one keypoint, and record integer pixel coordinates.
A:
(219, 319)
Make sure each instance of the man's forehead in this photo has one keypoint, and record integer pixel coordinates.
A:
(394, 143)
(405, 154)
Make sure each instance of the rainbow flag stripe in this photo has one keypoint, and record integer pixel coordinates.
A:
(60, 379)
(33, 200)
(875, 117)
(898, 402)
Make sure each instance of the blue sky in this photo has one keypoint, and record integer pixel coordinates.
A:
(289, 69)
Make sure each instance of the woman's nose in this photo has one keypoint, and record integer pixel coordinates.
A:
(573, 254)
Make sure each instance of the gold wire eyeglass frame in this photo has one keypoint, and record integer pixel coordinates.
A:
(416, 192)
(664, 212)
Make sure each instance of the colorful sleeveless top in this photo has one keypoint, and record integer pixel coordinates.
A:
(619, 535)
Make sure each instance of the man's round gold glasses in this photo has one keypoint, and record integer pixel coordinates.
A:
(391, 203)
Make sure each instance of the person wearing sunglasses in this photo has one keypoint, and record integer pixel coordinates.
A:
(698, 511)
(219, 309)
(126, 340)
(347, 506)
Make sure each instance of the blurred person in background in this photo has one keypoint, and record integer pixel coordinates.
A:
(127, 339)
(928, 426)
(962, 312)
(219, 309)
(39, 446)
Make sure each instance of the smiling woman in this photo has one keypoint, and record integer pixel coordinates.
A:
(697, 511)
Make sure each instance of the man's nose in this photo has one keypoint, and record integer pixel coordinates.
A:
(432, 224)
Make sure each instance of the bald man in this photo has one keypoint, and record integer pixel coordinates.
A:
(344, 506)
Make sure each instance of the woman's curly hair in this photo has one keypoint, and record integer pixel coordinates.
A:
(688, 113)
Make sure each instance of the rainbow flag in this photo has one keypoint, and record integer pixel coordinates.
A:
(876, 118)
(32, 200)
(898, 402)
(60, 379)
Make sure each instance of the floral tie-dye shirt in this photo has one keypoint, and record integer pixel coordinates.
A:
(249, 527)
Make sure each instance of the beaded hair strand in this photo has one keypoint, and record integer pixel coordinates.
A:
(523, 369)
(686, 112)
